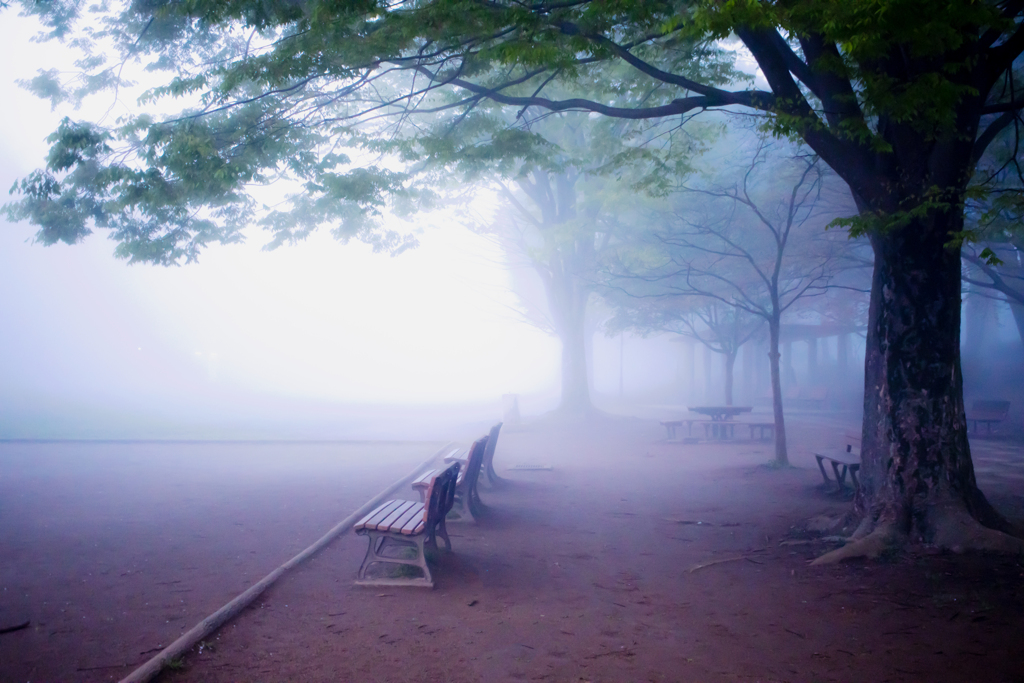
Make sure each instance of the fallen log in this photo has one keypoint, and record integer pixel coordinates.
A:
(204, 628)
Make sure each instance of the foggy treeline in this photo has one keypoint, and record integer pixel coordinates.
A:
(667, 285)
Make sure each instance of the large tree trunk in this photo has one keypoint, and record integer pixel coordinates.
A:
(781, 454)
(575, 380)
(554, 195)
(915, 449)
(568, 301)
(917, 478)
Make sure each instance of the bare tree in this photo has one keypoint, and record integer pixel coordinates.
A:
(744, 246)
(1004, 277)
(721, 328)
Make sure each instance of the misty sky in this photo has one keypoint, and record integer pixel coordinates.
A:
(83, 331)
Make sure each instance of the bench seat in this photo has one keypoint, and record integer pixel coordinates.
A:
(843, 461)
(396, 516)
(403, 524)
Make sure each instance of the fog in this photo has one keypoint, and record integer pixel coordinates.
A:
(319, 340)
(324, 340)
(246, 341)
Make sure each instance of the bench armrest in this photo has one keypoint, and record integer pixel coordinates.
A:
(457, 455)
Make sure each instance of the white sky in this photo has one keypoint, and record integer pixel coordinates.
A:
(320, 321)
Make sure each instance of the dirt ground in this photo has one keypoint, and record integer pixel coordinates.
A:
(631, 559)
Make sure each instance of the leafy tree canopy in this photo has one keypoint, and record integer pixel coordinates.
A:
(344, 100)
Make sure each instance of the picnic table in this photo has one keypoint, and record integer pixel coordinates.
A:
(721, 413)
(987, 413)
(721, 425)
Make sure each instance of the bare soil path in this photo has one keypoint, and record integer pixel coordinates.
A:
(112, 550)
(632, 559)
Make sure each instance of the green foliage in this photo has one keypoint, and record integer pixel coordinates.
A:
(274, 92)
(888, 92)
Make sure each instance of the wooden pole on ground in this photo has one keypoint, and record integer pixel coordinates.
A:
(204, 628)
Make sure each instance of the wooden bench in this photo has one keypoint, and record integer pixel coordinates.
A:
(719, 429)
(987, 413)
(422, 483)
(766, 430)
(488, 463)
(467, 498)
(842, 460)
(672, 425)
(401, 524)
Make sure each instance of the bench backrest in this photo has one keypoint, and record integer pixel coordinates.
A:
(492, 442)
(996, 409)
(473, 463)
(440, 495)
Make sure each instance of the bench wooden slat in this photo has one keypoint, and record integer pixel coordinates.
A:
(413, 514)
(374, 512)
(413, 526)
(370, 521)
(396, 514)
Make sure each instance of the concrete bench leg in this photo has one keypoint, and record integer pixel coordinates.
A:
(374, 554)
(853, 476)
(821, 467)
(840, 476)
(463, 508)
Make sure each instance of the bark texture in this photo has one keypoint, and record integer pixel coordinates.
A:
(917, 476)
(915, 433)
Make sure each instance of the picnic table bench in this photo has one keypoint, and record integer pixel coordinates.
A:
(987, 413)
(401, 524)
(842, 460)
(766, 430)
(672, 425)
(467, 499)
(721, 429)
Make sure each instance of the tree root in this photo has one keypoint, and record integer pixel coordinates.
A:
(955, 530)
(871, 546)
(949, 527)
